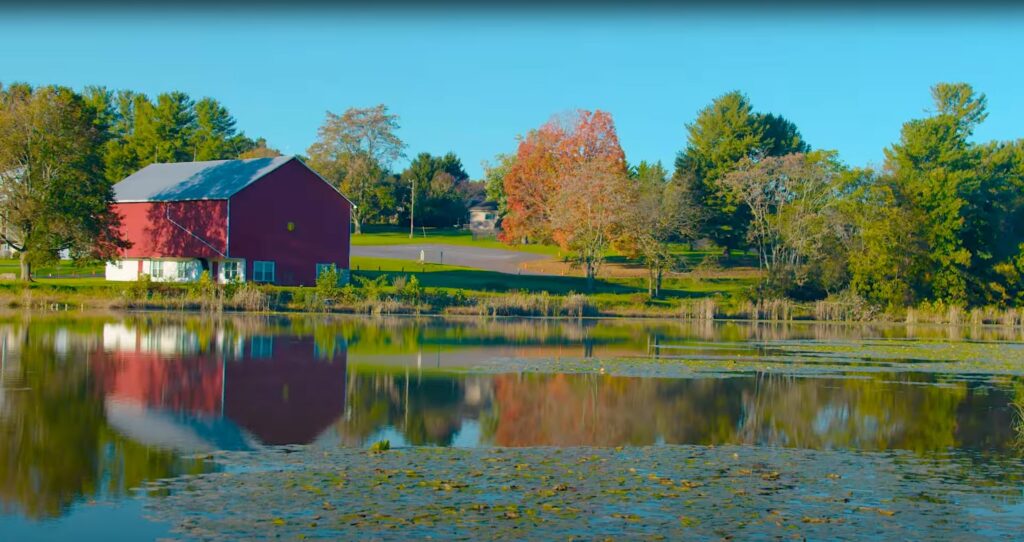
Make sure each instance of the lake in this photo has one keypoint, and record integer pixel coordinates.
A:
(153, 425)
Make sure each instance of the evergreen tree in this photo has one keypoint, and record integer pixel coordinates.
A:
(724, 133)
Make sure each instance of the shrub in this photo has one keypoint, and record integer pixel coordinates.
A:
(372, 289)
(142, 288)
(411, 291)
(204, 288)
(327, 285)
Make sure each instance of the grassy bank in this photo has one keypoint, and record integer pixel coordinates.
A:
(384, 286)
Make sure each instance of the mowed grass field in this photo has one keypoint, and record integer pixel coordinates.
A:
(393, 235)
(376, 235)
(469, 280)
(11, 266)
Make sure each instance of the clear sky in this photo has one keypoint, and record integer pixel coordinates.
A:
(471, 81)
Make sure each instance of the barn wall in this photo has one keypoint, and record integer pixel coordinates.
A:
(292, 218)
(155, 229)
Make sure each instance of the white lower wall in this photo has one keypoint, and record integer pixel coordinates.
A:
(122, 270)
(164, 270)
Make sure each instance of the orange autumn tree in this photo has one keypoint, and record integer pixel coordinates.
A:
(567, 186)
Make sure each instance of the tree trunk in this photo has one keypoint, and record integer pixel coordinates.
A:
(650, 282)
(26, 268)
(726, 252)
(657, 282)
(357, 225)
(590, 276)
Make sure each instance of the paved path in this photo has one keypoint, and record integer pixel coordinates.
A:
(490, 259)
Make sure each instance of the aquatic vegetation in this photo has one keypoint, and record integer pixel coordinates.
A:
(525, 493)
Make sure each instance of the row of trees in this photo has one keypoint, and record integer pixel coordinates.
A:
(356, 152)
(942, 220)
(136, 131)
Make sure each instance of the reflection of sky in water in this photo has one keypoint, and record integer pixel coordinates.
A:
(151, 392)
(103, 521)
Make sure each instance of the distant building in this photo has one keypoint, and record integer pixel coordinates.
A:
(271, 220)
(483, 218)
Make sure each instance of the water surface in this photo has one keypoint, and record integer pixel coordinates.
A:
(132, 419)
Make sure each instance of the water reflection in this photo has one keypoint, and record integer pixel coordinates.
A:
(92, 407)
(171, 387)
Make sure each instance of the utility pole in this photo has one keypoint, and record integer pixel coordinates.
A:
(412, 209)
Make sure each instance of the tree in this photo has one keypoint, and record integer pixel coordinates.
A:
(724, 133)
(556, 152)
(163, 130)
(968, 197)
(53, 196)
(214, 136)
(354, 151)
(657, 212)
(792, 201)
(438, 181)
(119, 152)
(887, 248)
(137, 132)
(259, 149)
(494, 179)
(585, 212)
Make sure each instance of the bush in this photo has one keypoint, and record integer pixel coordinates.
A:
(204, 288)
(372, 289)
(411, 291)
(327, 285)
(142, 288)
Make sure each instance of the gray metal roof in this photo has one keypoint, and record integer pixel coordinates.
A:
(217, 179)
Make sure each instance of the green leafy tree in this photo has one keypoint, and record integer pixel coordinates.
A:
(53, 196)
(494, 179)
(888, 248)
(968, 197)
(724, 133)
(353, 151)
(437, 180)
(658, 212)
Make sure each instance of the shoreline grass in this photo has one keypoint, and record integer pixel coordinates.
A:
(97, 294)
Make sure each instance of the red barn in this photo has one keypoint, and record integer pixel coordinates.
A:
(271, 220)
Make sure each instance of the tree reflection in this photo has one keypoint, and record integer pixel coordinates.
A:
(56, 446)
(912, 412)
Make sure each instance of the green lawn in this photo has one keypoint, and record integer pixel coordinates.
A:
(392, 235)
(468, 279)
(11, 265)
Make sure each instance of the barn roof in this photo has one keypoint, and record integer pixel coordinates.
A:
(216, 179)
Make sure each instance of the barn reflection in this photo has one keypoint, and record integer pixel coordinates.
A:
(191, 389)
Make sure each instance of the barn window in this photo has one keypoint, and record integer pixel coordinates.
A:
(186, 270)
(263, 271)
(156, 269)
(229, 270)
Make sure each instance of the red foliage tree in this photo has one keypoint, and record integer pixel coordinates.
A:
(545, 158)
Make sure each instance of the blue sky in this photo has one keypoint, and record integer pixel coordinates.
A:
(471, 81)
